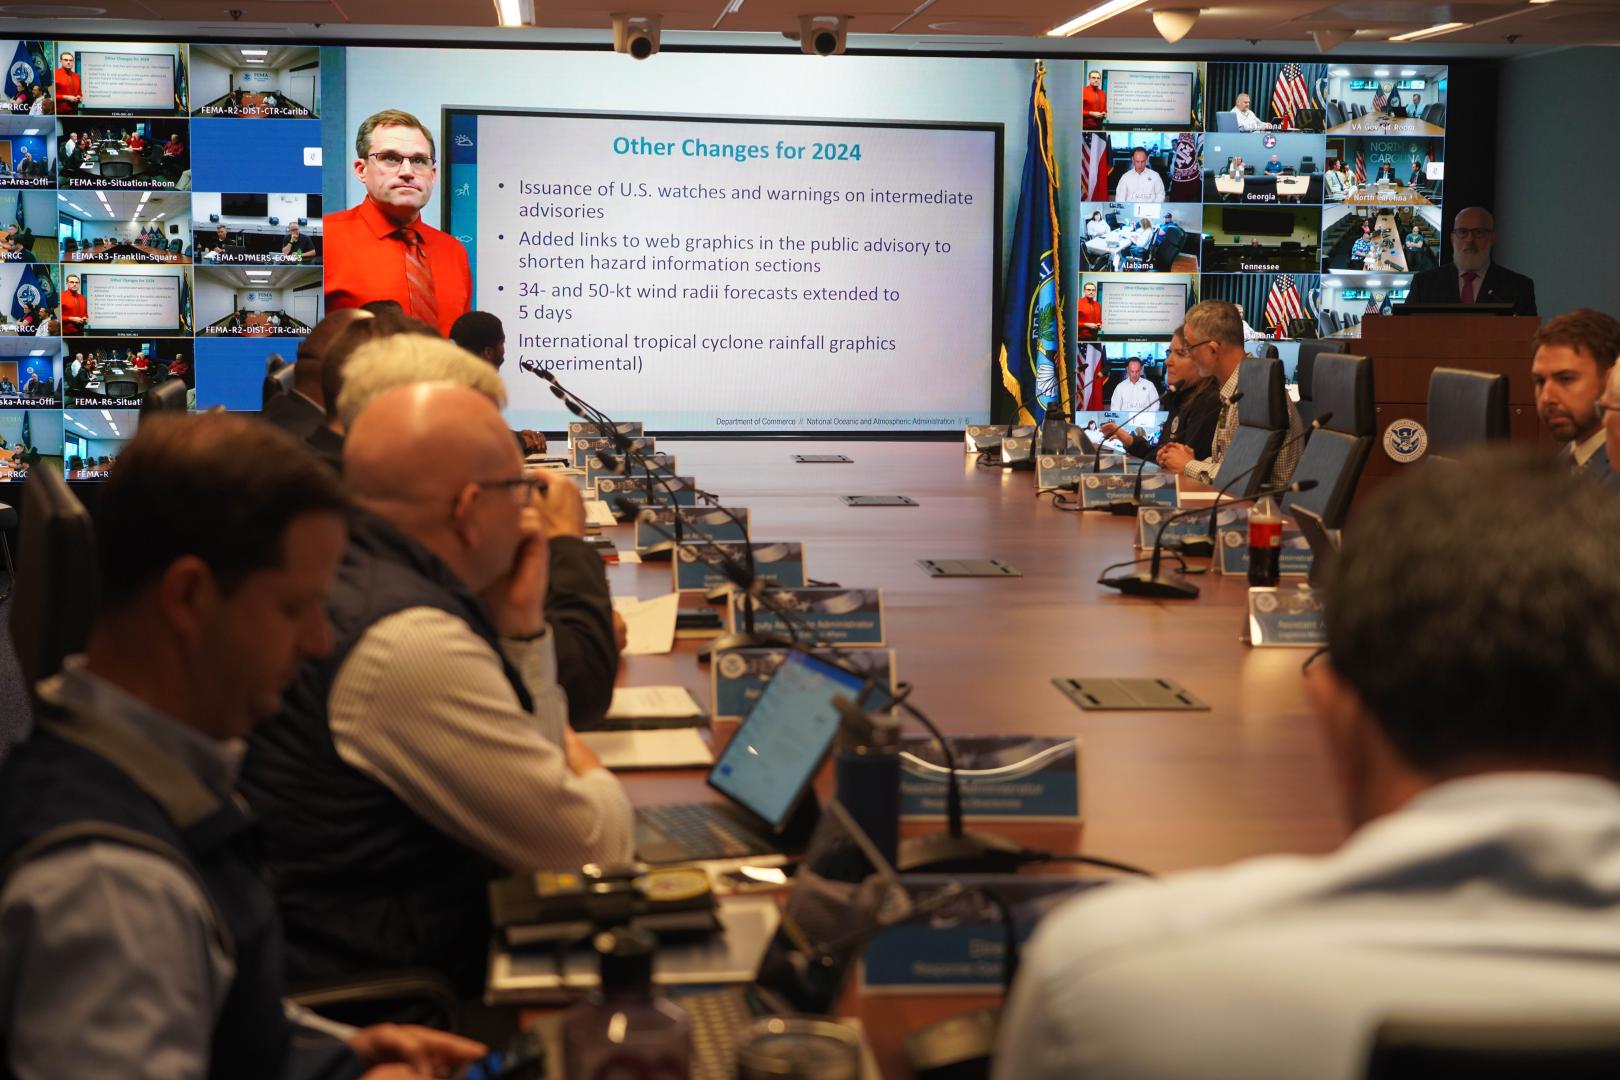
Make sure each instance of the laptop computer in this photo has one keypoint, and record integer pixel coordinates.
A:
(764, 773)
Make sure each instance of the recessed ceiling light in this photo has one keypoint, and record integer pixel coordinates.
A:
(1432, 31)
(1381, 73)
(252, 61)
(517, 12)
(1087, 19)
(254, 52)
(1340, 73)
(1407, 73)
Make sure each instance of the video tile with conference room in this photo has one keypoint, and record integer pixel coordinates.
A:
(1136, 306)
(30, 302)
(141, 300)
(1244, 238)
(29, 86)
(1145, 95)
(247, 301)
(1348, 298)
(1263, 167)
(25, 226)
(96, 226)
(115, 372)
(27, 152)
(1282, 96)
(30, 372)
(1386, 99)
(92, 440)
(1143, 425)
(123, 78)
(1141, 237)
(1381, 239)
(255, 81)
(28, 440)
(1142, 166)
(1387, 171)
(254, 228)
(1273, 305)
(1119, 393)
(123, 152)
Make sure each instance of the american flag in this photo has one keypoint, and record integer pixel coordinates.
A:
(1094, 169)
(1380, 98)
(1379, 303)
(1290, 93)
(1091, 378)
(1282, 304)
(1361, 167)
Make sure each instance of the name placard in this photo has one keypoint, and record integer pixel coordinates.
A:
(1103, 490)
(657, 463)
(628, 494)
(590, 429)
(1018, 448)
(582, 451)
(1149, 520)
(738, 676)
(780, 564)
(978, 438)
(1287, 616)
(1232, 542)
(656, 525)
(1002, 778)
(1058, 470)
(831, 615)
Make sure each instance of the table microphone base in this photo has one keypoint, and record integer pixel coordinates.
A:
(662, 551)
(970, 853)
(1157, 586)
(739, 641)
(1196, 549)
(1127, 508)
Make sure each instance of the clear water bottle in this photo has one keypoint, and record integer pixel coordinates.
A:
(624, 1031)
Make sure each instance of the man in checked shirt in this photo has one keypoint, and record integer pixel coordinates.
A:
(1214, 335)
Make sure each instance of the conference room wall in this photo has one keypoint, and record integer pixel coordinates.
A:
(1554, 129)
(286, 207)
(211, 81)
(44, 431)
(1306, 225)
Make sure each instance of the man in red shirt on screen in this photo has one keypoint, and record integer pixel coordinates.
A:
(75, 312)
(1094, 101)
(68, 90)
(381, 249)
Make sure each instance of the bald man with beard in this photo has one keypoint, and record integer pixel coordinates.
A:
(429, 752)
(302, 411)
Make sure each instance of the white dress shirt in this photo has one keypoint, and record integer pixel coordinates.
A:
(1495, 895)
(421, 706)
(1581, 452)
(1247, 120)
(1144, 186)
(1131, 396)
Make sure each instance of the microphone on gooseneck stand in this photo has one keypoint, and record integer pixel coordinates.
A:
(1205, 548)
(1150, 583)
(1152, 406)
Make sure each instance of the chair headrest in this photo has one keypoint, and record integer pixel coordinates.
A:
(1344, 387)
(1260, 381)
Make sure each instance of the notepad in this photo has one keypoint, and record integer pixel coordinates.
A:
(651, 623)
(599, 514)
(654, 703)
(662, 748)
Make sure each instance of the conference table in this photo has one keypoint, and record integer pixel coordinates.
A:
(1378, 124)
(1282, 185)
(1165, 791)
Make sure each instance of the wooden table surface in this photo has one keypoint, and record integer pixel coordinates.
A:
(1163, 791)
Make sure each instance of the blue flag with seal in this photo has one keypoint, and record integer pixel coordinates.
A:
(30, 290)
(29, 66)
(1034, 368)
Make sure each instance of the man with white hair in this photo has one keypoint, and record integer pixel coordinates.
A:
(1472, 278)
(430, 752)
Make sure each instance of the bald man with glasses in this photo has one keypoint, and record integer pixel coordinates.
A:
(1472, 277)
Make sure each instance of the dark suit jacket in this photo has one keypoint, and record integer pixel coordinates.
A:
(1500, 286)
(1598, 467)
(580, 611)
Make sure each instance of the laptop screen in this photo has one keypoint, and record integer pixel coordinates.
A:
(776, 751)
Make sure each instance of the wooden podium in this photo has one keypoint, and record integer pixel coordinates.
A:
(1405, 349)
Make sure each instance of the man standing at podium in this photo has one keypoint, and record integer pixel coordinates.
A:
(381, 249)
(1472, 278)
(1575, 355)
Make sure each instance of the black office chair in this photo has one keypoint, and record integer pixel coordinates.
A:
(1262, 425)
(1168, 250)
(55, 598)
(166, 396)
(121, 388)
(278, 378)
(1491, 1048)
(117, 170)
(1304, 372)
(1336, 454)
(1466, 408)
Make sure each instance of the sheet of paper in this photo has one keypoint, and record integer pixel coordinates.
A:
(652, 703)
(599, 513)
(665, 748)
(651, 623)
(629, 556)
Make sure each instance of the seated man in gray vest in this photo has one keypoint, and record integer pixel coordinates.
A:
(430, 752)
(136, 936)
(1467, 701)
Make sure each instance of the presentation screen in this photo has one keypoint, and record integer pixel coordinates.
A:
(127, 81)
(727, 275)
(1150, 98)
(1143, 306)
(132, 301)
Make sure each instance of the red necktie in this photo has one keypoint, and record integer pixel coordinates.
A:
(1468, 286)
(419, 278)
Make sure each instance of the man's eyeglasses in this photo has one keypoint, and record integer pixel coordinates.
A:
(1472, 234)
(523, 489)
(392, 161)
(1311, 660)
(1188, 350)
(1607, 407)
